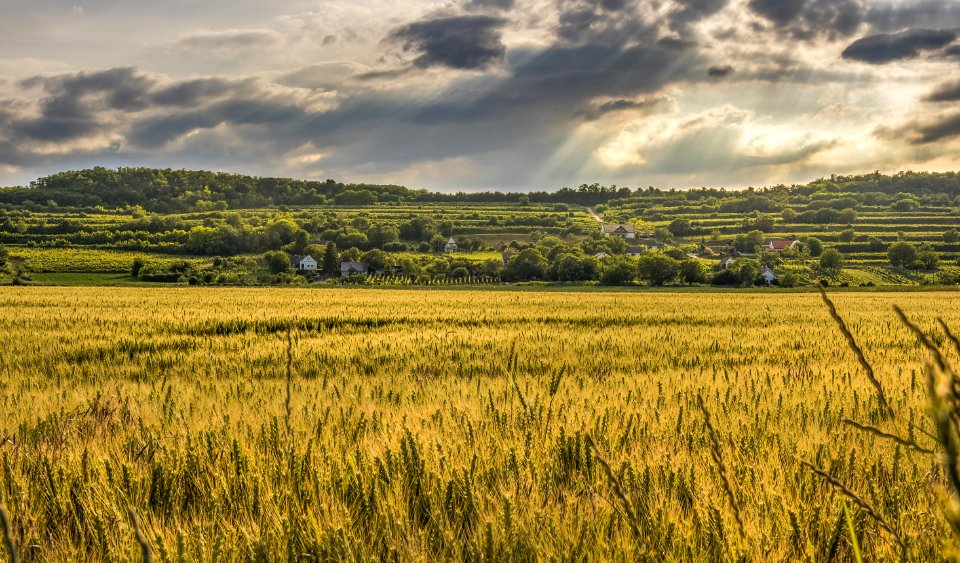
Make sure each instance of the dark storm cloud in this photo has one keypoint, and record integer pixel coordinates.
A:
(780, 12)
(71, 103)
(949, 92)
(155, 132)
(191, 92)
(119, 88)
(720, 71)
(889, 47)
(532, 109)
(160, 130)
(495, 4)
(55, 129)
(809, 19)
(944, 128)
(599, 21)
(461, 42)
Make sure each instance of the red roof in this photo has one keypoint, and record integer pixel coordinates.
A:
(781, 243)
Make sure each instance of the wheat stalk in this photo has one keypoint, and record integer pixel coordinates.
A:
(858, 351)
(716, 454)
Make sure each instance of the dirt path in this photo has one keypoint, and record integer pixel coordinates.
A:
(594, 215)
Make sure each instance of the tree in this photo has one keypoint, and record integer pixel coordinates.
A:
(875, 244)
(383, 234)
(902, 254)
(815, 246)
(693, 271)
(135, 268)
(681, 227)
(658, 268)
(951, 237)
(749, 242)
(375, 259)
(418, 229)
(927, 257)
(575, 267)
(437, 243)
(747, 271)
(905, 204)
(355, 197)
(618, 270)
(847, 216)
(528, 264)
(662, 234)
(277, 262)
(281, 232)
(831, 261)
(330, 265)
(847, 235)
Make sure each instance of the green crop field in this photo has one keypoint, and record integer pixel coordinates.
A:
(255, 424)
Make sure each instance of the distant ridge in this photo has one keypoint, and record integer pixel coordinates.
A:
(175, 191)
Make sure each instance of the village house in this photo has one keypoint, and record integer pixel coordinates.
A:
(303, 263)
(353, 269)
(507, 255)
(768, 276)
(623, 231)
(779, 245)
(451, 245)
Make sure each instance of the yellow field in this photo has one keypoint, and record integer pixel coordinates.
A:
(453, 425)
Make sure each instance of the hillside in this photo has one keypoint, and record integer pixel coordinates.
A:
(202, 227)
(178, 191)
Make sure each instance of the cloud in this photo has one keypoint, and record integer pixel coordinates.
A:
(809, 19)
(720, 71)
(229, 41)
(687, 12)
(889, 47)
(494, 4)
(605, 22)
(330, 75)
(724, 138)
(945, 127)
(890, 17)
(948, 92)
(460, 42)
(646, 105)
(192, 92)
(780, 12)
(71, 103)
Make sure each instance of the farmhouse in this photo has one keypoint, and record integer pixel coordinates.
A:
(622, 231)
(779, 245)
(303, 263)
(507, 255)
(451, 246)
(727, 261)
(353, 269)
(768, 276)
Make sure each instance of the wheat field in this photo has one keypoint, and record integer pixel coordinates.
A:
(412, 425)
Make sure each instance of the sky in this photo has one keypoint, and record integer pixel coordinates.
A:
(483, 94)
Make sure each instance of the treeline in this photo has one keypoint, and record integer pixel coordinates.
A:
(177, 191)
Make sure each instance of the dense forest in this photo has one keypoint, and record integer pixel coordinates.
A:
(178, 191)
